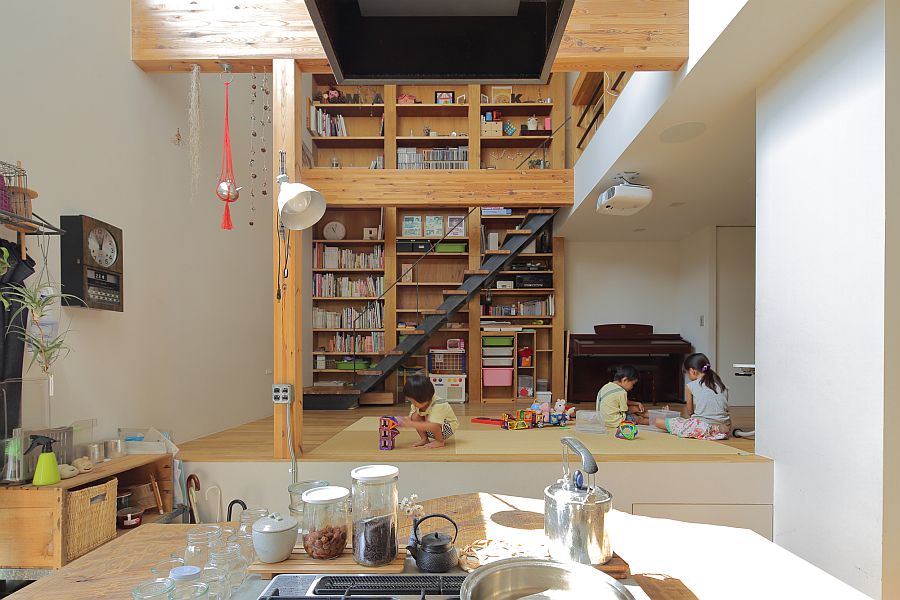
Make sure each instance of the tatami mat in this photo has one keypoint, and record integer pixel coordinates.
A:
(473, 439)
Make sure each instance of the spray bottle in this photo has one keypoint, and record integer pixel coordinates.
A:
(47, 470)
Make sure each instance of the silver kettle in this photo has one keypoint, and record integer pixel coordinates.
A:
(575, 512)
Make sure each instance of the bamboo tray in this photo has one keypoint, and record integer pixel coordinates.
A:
(300, 562)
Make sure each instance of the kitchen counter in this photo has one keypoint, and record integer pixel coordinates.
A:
(670, 559)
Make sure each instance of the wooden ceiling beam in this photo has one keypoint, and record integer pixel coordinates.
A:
(601, 35)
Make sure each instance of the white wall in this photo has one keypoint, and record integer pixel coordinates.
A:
(191, 350)
(736, 309)
(820, 291)
(670, 285)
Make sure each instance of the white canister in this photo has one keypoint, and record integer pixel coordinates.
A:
(274, 537)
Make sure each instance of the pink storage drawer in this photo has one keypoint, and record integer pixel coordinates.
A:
(497, 377)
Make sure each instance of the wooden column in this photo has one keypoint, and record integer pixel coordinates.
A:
(390, 276)
(474, 95)
(558, 332)
(557, 117)
(473, 358)
(390, 131)
(288, 326)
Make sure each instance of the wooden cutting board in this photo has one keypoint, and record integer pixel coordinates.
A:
(300, 562)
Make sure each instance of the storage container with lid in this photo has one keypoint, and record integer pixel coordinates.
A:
(375, 506)
(326, 519)
(274, 537)
(296, 508)
(201, 540)
(187, 583)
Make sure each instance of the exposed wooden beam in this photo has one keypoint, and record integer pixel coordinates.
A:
(288, 338)
(601, 35)
(357, 188)
(584, 87)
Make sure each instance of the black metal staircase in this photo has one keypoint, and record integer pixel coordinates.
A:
(475, 280)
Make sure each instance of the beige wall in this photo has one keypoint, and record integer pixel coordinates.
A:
(191, 351)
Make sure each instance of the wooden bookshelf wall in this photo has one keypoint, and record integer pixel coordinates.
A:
(409, 302)
(404, 124)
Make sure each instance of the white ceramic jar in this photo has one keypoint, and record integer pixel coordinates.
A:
(274, 537)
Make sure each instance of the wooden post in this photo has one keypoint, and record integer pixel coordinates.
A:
(557, 335)
(473, 359)
(288, 326)
(390, 130)
(557, 153)
(474, 98)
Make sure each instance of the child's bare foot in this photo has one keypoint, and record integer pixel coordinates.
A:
(419, 444)
(435, 444)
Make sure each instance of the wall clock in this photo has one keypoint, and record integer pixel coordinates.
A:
(334, 230)
(91, 262)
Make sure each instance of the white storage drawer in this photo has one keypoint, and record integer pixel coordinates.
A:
(497, 352)
(497, 362)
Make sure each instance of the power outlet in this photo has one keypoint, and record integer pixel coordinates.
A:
(282, 393)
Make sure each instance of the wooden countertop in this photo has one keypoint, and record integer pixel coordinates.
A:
(672, 560)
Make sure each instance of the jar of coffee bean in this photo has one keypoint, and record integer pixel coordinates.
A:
(326, 521)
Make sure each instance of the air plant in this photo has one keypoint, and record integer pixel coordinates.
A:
(410, 506)
(45, 341)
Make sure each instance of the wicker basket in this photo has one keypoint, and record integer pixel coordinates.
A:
(89, 518)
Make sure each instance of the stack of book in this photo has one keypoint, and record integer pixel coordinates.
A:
(433, 158)
(348, 342)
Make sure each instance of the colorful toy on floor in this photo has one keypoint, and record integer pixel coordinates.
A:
(626, 431)
(388, 429)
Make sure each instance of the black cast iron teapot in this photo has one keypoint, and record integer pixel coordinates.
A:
(434, 552)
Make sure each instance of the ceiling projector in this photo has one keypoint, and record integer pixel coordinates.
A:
(624, 199)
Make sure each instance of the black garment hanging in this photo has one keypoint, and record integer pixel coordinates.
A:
(12, 346)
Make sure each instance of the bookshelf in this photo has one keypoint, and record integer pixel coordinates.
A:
(409, 117)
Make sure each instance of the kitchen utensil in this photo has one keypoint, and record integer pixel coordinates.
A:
(115, 448)
(575, 514)
(47, 470)
(193, 487)
(156, 494)
(434, 552)
(129, 518)
(96, 453)
(274, 537)
(519, 578)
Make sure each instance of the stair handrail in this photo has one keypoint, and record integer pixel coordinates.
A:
(374, 302)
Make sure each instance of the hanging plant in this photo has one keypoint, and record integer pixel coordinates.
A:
(46, 342)
(227, 190)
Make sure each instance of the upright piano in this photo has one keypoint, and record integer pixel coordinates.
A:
(658, 358)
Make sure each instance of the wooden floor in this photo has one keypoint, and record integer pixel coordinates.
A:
(253, 441)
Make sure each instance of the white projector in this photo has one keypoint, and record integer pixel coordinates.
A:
(623, 200)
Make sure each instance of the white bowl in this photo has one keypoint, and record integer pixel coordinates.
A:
(274, 537)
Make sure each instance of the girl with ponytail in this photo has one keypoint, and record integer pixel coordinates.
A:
(707, 403)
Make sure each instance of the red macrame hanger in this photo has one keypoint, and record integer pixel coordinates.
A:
(226, 190)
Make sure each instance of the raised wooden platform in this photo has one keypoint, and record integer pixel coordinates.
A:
(252, 442)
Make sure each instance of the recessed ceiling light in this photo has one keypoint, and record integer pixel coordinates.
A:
(677, 204)
(682, 132)
(640, 229)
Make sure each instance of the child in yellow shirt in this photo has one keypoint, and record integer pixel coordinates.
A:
(431, 417)
(613, 403)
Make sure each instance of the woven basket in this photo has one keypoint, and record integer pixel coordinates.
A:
(89, 518)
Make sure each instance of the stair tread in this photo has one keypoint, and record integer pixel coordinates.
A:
(410, 332)
(518, 232)
(477, 272)
(370, 372)
(540, 211)
(330, 391)
(456, 293)
(500, 251)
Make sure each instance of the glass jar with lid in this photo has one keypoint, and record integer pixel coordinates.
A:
(326, 519)
(375, 507)
(230, 560)
(244, 534)
(161, 588)
(296, 508)
(201, 540)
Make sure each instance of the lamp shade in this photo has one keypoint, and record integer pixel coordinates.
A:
(299, 206)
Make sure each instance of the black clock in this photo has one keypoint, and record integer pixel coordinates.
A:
(91, 262)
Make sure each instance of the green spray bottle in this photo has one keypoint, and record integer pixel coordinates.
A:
(47, 470)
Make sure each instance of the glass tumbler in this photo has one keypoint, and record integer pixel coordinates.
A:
(155, 589)
(162, 569)
(201, 540)
(196, 590)
(217, 580)
(375, 508)
(326, 520)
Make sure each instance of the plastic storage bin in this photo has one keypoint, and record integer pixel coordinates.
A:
(450, 247)
(661, 413)
(496, 377)
(589, 421)
(497, 351)
(497, 362)
(497, 340)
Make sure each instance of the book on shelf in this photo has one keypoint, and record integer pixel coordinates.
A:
(334, 257)
(496, 211)
(433, 158)
(377, 162)
(349, 342)
(327, 285)
(542, 307)
(326, 125)
(371, 317)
